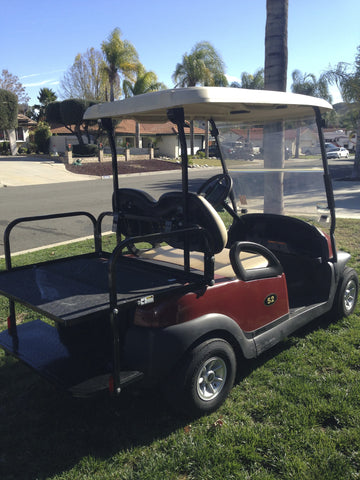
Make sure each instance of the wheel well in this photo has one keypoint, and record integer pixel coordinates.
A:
(224, 335)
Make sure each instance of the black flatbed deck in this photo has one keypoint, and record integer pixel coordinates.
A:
(74, 289)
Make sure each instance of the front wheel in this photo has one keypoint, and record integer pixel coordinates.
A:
(347, 293)
(202, 383)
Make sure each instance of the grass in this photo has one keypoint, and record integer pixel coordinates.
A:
(293, 415)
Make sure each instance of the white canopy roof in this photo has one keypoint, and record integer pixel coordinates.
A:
(217, 103)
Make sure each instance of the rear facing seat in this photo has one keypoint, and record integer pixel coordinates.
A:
(281, 234)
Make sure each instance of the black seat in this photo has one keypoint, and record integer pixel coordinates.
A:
(140, 214)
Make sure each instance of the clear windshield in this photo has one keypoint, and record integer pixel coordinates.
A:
(276, 168)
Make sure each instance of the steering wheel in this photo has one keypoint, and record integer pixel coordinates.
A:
(216, 189)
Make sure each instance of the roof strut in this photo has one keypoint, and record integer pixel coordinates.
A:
(327, 181)
(176, 116)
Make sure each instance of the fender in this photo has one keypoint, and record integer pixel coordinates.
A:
(155, 351)
(342, 259)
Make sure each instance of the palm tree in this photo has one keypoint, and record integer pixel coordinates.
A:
(348, 83)
(203, 66)
(144, 82)
(253, 82)
(121, 58)
(275, 77)
(307, 84)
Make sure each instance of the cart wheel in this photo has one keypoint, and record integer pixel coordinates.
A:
(348, 293)
(203, 382)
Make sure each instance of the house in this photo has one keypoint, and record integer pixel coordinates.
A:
(163, 136)
(254, 136)
(341, 138)
(21, 133)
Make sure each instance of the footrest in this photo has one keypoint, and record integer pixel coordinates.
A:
(102, 382)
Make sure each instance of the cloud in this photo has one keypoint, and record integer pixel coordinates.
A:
(231, 78)
(39, 84)
(42, 73)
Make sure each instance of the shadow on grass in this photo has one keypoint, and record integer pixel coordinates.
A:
(45, 432)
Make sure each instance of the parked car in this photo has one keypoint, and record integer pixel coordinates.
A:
(213, 151)
(338, 152)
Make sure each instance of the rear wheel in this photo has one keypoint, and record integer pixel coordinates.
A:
(347, 293)
(202, 383)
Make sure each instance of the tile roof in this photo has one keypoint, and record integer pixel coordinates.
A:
(128, 127)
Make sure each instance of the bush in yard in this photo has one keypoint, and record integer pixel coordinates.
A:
(87, 150)
(4, 148)
(42, 137)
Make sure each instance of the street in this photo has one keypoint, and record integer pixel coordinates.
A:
(94, 196)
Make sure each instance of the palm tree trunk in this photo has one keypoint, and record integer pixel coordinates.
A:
(137, 135)
(356, 170)
(192, 137)
(275, 77)
(276, 49)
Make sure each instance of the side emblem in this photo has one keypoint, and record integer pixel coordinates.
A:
(270, 299)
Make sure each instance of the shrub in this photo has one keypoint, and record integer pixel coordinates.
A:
(42, 137)
(87, 150)
(4, 148)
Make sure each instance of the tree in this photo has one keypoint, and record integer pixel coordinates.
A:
(307, 84)
(276, 50)
(275, 77)
(202, 66)
(121, 59)
(144, 82)
(87, 78)
(8, 116)
(252, 82)
(70, 114)
(12, 84)
(37, 111)
(347, 78)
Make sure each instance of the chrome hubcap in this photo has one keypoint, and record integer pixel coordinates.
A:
(350, 295)
(211, 378)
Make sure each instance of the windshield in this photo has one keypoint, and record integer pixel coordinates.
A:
(276, 168)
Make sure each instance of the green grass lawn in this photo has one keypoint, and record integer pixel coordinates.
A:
(293, 415)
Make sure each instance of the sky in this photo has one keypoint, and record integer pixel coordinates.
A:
(40, 39)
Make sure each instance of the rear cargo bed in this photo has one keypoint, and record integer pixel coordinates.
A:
(75, 289)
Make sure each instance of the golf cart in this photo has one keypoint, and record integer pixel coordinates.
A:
(182, 301)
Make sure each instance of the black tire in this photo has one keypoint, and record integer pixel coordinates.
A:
(348, 290)
(202, 383)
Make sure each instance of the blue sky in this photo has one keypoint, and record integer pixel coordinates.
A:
(40, 39)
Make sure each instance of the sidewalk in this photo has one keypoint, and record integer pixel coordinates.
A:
(347, 198)
(21, 171)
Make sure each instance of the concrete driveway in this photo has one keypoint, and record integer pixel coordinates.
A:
(21, 171)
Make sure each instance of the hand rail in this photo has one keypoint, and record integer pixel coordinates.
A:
(15, 222)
